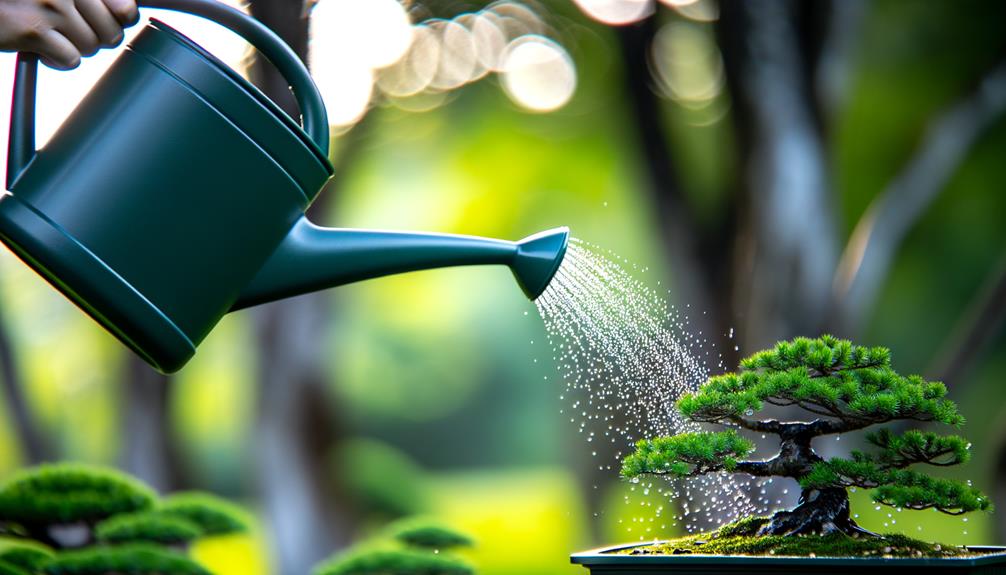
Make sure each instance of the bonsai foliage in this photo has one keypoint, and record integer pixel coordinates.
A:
(11, 569)
(844, 388)
(411, 546)
(427, 534)
(213, 515)
(135, 558)
(69, 494)
(381, 561)
(70, 519)
(151, 527)
(26, 555)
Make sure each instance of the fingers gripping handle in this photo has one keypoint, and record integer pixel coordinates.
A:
(21, 146)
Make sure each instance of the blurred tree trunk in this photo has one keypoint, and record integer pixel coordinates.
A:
(35, 446)
(296, 427)
(149, 451)
(787, 240)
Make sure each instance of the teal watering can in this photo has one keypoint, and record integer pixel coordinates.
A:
(175, 193)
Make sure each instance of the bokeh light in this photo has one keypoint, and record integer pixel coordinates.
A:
(616, 12)
(506, 37)
(696, 10)
(517, 19)
(375, 32)
(457, 55)
(413, 72)
(360, 44)
(538, 74)
(350, 39)
(490, 40)
(687, 64)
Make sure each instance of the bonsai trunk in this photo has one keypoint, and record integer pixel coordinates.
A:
(820, 512)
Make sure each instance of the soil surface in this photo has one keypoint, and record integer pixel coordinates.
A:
(740, 538)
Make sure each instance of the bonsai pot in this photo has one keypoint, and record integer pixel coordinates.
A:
(608, 561)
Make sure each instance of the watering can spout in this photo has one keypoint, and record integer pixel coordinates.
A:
(313, 258)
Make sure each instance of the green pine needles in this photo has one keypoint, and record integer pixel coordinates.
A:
(844, 388)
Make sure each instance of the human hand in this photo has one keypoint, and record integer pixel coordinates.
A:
(62, 31)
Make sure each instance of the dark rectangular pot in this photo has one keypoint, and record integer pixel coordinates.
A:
(607, 562)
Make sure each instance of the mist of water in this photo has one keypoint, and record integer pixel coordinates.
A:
(625, 356)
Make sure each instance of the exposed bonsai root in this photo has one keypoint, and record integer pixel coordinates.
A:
(820, 512)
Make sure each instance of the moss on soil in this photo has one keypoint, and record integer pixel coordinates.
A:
(739, 538)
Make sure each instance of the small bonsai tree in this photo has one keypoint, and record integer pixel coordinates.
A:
(427, 534)
(412, 546)
(844, 388)
(55, 499)
(70, 519)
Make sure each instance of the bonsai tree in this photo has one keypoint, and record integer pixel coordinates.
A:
(412, 546)
(71, 519)
(59, 504)
(842, 388)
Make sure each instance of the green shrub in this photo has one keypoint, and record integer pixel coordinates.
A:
(427, 534)
(131, 559)
(213, 515)
(24, 553)
(387, 561)
(70, 493)
(148, 526)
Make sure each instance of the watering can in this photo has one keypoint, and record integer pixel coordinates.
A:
(175, 193)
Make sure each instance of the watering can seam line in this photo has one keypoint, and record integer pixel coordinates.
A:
(300, 189)
(62, 231)
(24, 170)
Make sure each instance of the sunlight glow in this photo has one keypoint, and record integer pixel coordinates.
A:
(376, 33)
(538, 74)
(616, 12)
(350, 39)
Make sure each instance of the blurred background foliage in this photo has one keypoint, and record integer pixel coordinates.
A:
(437, 391)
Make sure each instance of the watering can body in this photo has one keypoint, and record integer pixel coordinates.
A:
(175, 192)
(162, 195)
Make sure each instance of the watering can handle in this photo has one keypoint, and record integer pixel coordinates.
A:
(21, 146)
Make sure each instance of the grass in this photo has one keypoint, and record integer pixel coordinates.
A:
(739, 538)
